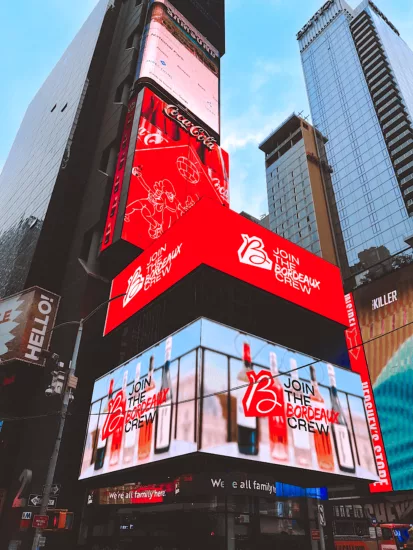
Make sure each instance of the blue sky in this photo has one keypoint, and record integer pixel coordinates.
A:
(262, 81)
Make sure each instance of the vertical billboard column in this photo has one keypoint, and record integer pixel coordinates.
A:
(178, 59)
(175, 163)
(358, 364)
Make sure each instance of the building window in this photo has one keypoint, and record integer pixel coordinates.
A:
(51, 110)
(64, 108)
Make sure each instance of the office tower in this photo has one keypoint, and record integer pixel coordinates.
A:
(358, 72)
(298, 180)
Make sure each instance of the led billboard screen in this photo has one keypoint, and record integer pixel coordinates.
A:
(119, 177)
(175, 163)
(180, 60)
(210, 388)
(26, 320)
(215, 236)
(358, 364)
(385, 313)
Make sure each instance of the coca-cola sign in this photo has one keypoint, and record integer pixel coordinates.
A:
(163, 173)
(173, 112)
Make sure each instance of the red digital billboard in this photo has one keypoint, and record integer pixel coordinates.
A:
(111, 220)
(215, 236)
(358, 364)
(175, 163)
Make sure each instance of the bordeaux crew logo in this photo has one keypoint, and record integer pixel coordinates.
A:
(260, 400)
(286, 266)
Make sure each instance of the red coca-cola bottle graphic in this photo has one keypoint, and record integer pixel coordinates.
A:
(277, 423)
(322, 439)
(117, 437)
(146, 431)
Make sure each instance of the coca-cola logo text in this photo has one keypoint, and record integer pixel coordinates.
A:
(172, 111)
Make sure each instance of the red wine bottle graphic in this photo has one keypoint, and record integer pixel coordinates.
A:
(301, 437)
(277, 422)
(117, 437)
(322, 439)
(247, 427)
(146, 430)
(131, 431)
(341, 433)
(163, 427)
(103, 443)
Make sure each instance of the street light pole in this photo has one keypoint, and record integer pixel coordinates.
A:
(67, 397)
(63, 414)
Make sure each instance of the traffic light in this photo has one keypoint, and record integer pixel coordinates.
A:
(59, 520)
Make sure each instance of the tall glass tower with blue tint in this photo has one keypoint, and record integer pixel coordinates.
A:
(359, 77)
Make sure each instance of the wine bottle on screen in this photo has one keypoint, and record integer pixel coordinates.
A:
(277, 422)
(341, 433)
(117, 437)
(247, 427)
(163, 426)
(301, 437)
(103, 443)
(131, 431)
(146, 430)
(322, 439)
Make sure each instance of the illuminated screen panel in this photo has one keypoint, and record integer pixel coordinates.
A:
(26, 323)
(176, 163)
(358, 364)
(181, 61)
(119, 177)
(258, 401)
(211, 235)
(385, 313)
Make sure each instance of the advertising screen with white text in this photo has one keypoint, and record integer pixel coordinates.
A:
(182, 62)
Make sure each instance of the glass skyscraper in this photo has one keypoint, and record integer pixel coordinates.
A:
(359, 77)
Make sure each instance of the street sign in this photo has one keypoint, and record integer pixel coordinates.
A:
(40, 522)
(315, 534)
(42, 541)
(36, 500)
(25, 521)
(55, 489)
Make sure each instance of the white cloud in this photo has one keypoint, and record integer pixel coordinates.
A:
(263, 72)
(251, 127)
